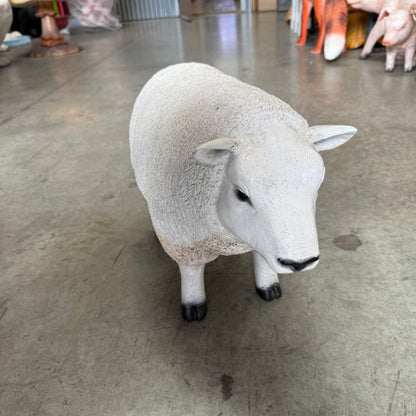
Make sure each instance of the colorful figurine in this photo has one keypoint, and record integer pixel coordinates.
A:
(318, 6)
(332, 21)
(336, 18)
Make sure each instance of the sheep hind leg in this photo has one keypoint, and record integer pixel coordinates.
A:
(267, 282)
(194, 304)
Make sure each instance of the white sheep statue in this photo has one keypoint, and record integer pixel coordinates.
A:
(226, 169)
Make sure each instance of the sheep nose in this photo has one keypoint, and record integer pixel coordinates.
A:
(297, 266)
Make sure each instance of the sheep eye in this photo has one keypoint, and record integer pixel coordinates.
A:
(241, 195)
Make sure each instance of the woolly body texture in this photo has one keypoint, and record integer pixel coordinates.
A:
(179, 108)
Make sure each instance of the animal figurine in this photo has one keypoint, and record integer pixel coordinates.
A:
(397, 22)
(226, 169)
(336, 18)
(332, 22)
(399, 38)
(384, 8)
(318, 6)
(6, 18)
(373, 6)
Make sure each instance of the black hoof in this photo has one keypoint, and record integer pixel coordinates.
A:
(388, 70)
(408, 69)
(194, 312)
(272, 292)
(364, 57)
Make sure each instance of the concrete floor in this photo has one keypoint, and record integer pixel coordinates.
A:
(90, 318)
(200, 7)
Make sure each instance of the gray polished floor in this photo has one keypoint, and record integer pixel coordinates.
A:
(89, 303)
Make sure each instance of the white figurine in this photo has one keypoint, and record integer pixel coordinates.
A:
(6, 18)
(226, 169)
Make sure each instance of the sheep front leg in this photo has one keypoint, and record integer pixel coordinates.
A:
(267, 282)
(194, 304)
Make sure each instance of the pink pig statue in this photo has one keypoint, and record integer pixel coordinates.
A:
(396, 22)
(373, 6)
(399, 38)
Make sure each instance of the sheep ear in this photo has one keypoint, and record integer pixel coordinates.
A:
(329, 137)
(216, 151)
